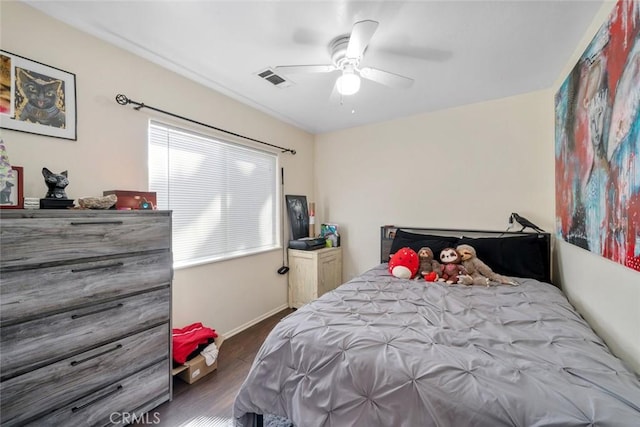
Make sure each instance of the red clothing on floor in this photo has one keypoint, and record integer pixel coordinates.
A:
(187, 340)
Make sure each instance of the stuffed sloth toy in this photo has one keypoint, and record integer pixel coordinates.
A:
(478, 270)
(430, 269)
(452, 269)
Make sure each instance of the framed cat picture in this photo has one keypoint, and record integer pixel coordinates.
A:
(36, 98)
(11, 189)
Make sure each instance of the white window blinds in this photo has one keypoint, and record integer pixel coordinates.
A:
(223, 195)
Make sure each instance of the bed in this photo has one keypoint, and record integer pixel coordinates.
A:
(383, 351)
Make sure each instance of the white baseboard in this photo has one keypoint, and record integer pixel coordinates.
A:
(249, 324)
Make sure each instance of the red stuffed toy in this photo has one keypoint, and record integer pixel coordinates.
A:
(404, 263)
(431, 277)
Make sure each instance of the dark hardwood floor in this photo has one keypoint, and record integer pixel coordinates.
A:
(209, 401)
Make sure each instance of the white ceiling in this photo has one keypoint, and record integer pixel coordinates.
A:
(458, 52)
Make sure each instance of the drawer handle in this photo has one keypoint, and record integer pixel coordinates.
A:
(104, 396)
(97, 267)
(97, 222)
(77, 316)
(77, 362)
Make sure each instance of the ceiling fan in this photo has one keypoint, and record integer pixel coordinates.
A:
(346, 54)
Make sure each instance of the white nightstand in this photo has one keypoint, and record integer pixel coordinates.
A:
(313, 273)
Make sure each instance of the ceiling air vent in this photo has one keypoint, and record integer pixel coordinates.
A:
(274, 78)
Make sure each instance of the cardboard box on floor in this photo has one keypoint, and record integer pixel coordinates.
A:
(196, 368)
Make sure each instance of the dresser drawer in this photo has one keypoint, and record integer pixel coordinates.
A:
(107, 405)
(329, 257)
(30, 345)
(42, 390)
(72, 237)
(38, 292)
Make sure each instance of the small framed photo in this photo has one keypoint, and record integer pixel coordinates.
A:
(36, 98)
(11, 187)
(390, 232)
(298, 216)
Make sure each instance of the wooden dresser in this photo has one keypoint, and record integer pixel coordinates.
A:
(313, 273)
(85, 303)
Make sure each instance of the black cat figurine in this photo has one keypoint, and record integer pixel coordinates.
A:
(5, 194)
(42, 100)
(56, 184)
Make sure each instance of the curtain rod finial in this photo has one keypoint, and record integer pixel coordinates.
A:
(122, 99)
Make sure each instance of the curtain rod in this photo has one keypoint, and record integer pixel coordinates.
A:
(123, 100)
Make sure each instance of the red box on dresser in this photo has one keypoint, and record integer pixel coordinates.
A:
(133, 199)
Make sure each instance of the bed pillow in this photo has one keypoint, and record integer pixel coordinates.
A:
(416, 241)
(519, 256)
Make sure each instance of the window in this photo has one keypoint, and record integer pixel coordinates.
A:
(223, 195)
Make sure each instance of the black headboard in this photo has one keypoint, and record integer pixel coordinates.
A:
(528, 255)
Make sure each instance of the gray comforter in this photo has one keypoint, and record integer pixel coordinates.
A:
(381, 351)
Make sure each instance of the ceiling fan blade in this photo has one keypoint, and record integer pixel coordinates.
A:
(386, 78)
(360, 38)
(286, 69)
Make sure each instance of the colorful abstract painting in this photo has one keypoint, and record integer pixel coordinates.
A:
(597, 132)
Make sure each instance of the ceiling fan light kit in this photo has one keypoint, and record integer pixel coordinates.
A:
(346, 54)
(348, 83)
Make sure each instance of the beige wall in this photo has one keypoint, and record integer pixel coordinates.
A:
(466, 167)
(470, 167)
(111, 153)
